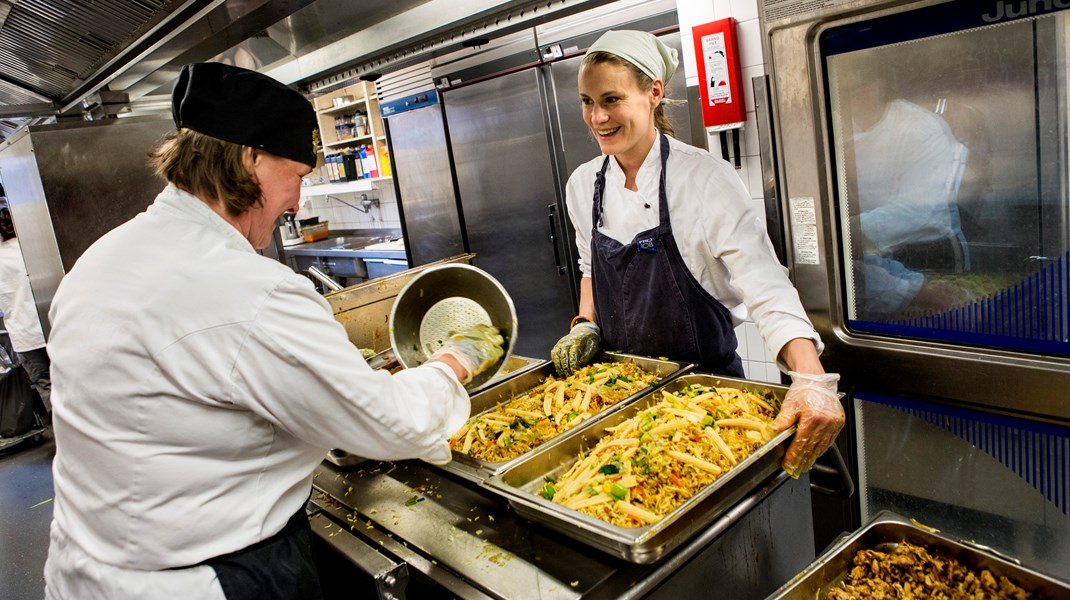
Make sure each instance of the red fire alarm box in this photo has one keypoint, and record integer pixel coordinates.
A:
(720, 78)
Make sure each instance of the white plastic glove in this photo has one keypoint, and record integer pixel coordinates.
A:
(572, 352)
(813, 402)
(475, 348)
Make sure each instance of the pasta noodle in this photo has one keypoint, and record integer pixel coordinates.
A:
(665, 454)
(556, 405)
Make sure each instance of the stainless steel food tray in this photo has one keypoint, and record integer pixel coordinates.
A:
(516, 365)
(520, 482)
(884, 532)
(478, 470)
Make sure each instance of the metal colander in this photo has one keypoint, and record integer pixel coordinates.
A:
(446, 299)
(447, 316)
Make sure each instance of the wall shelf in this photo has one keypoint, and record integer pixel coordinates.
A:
(345, 108)
(348, 141)
(347, 187)
(361, 96)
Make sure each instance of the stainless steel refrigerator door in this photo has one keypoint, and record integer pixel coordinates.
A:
(502, 157)
(431, 220)
(70, 183)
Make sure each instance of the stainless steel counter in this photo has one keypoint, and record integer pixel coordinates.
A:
(348, 258)
(352, 246)
(452, 535)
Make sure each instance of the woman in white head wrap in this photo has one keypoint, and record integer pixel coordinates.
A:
(673, 254)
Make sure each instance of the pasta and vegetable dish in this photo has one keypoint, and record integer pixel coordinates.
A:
(665, 454)
(556, 405)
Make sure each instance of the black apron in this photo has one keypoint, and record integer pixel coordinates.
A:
(276, 568)
(646, 299)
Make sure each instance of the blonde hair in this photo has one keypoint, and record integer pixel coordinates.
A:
(208, 168)
(642, 80)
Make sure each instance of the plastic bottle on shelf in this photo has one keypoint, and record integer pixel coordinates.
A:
(332, 168)
(367, 157)
(384, 161)
(344, 173)
(352, 166)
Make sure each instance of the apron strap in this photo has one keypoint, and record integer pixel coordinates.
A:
(599, 192)
(663, 196)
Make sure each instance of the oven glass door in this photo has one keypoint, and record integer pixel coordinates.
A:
(949, 137)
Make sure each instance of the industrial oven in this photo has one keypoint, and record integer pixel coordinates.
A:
(916, 152)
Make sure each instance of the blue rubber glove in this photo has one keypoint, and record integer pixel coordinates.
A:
(572, 352)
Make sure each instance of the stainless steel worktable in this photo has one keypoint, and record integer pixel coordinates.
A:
(345, 246)
(442, 535)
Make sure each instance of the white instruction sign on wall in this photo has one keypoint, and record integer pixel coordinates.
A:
(804, 230)
(782, 9)
(716, 59)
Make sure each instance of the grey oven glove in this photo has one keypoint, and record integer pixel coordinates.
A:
(476, 348)
(572, 352)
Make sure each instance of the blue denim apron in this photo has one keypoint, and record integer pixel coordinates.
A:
(648, 302)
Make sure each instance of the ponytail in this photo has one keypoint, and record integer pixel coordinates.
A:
(662, 122)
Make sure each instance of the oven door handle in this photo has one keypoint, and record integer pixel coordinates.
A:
(390, 577)
(823, 474)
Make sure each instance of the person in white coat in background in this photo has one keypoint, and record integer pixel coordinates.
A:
(672, 252)
(21, 320)
(198, 384)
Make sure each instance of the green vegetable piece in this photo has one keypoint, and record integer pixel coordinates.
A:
(548, 491)
(618, 491)
(610, 469)
(647, 422)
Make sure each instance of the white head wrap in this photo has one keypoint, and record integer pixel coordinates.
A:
(641, 49)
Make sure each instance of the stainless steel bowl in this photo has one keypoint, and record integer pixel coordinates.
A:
(444, 300)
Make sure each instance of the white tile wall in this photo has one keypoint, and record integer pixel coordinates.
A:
(758, 361)
(339, 216)
(744, 10)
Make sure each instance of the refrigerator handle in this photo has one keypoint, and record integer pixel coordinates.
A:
(552, 213)
(775, 226)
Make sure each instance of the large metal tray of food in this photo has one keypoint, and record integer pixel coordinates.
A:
(524, 483)
(477, 460)
(897, 552)
(516, 365)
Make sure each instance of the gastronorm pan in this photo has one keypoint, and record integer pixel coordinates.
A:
(884, 532)
(521, 481)
(516, 365)
(477, 470)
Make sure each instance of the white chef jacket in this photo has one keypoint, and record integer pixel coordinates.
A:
(196, 386)
(16, 300)
(908, 168)
(721, 238)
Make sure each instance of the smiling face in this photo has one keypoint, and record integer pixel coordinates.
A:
(618, 111)
(280, 188)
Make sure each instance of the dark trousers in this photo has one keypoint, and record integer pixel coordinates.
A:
(37, 366)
